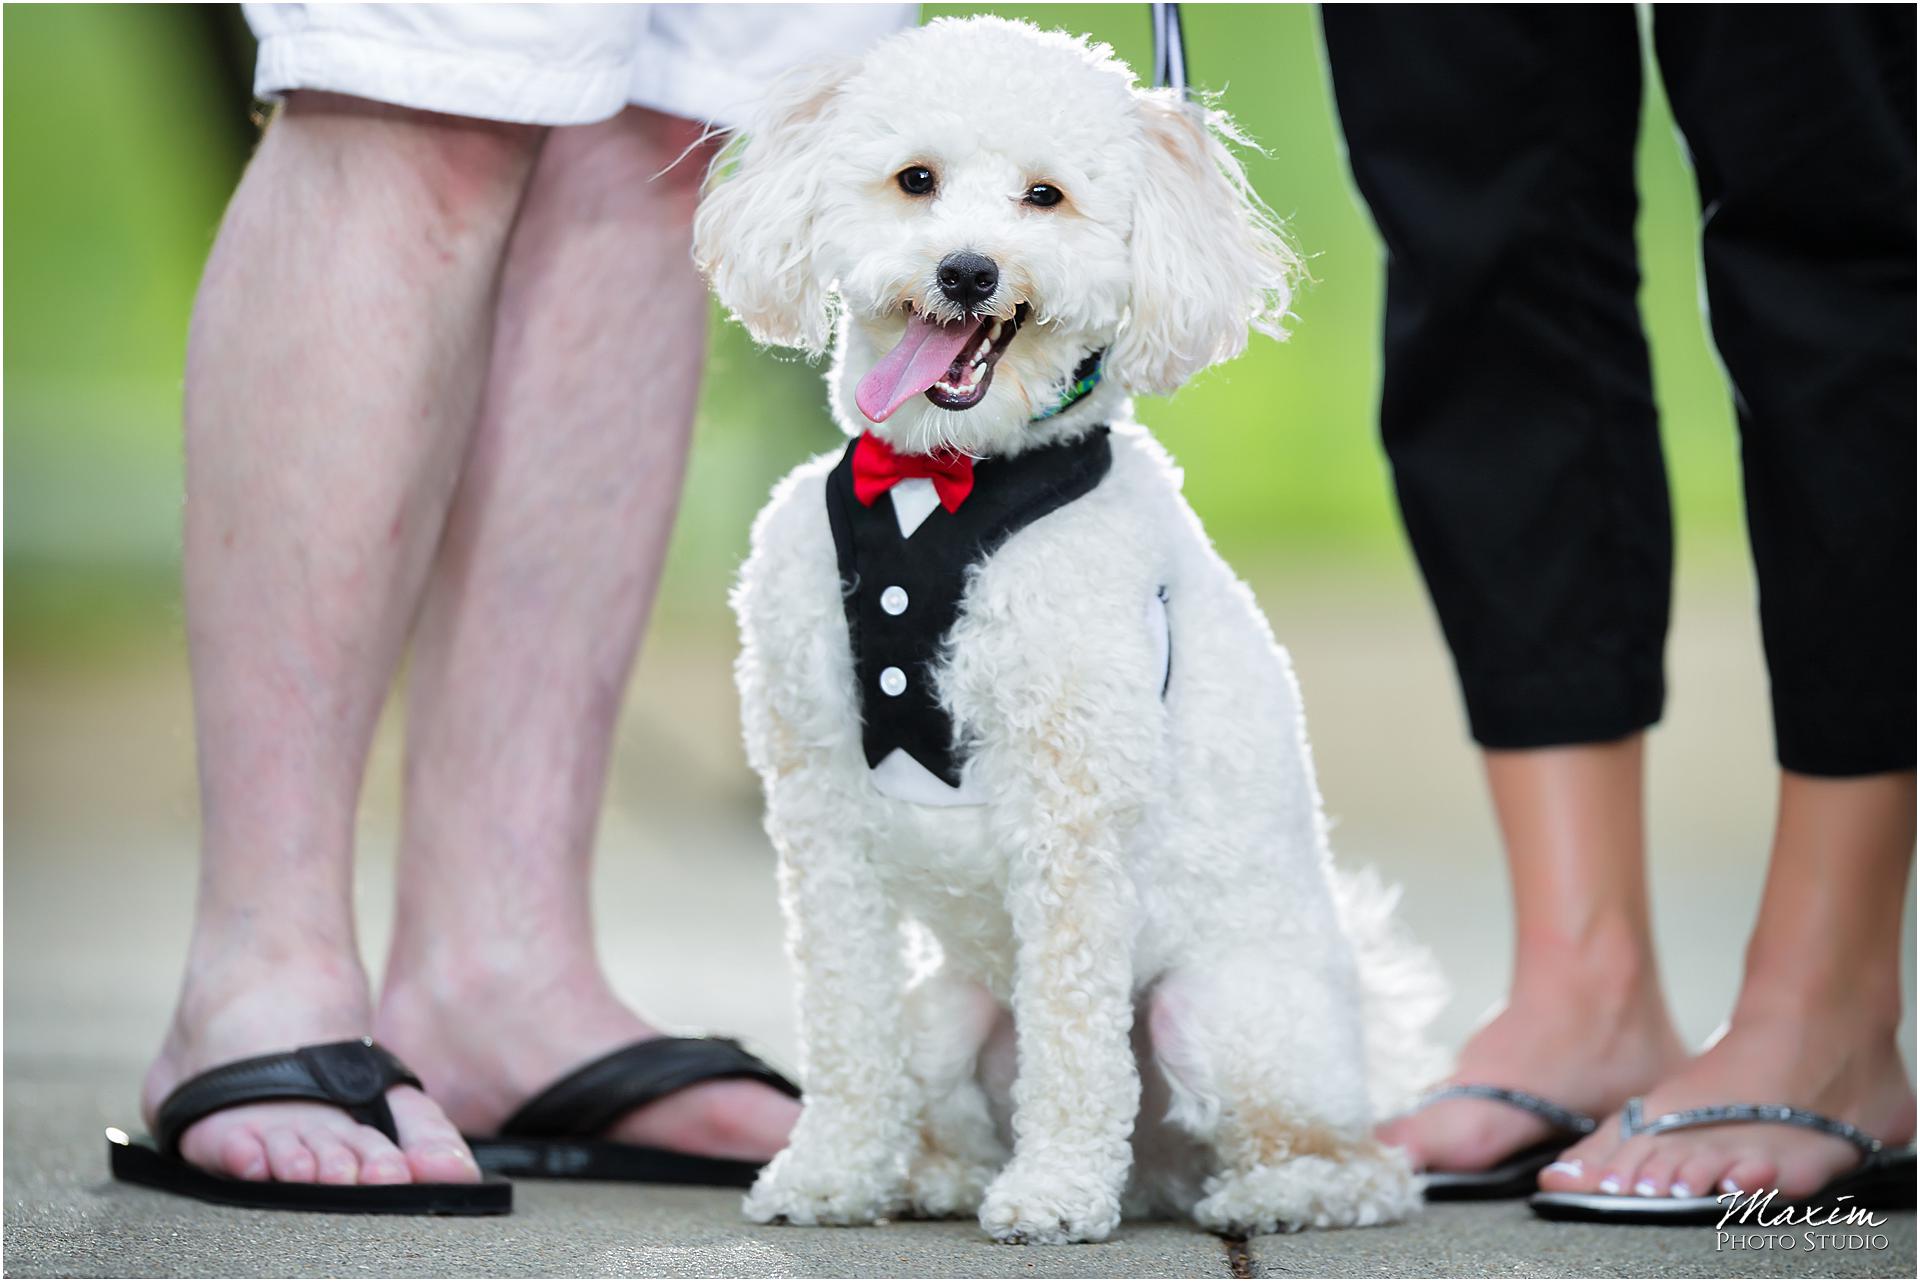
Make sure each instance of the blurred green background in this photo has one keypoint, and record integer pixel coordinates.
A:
(126, 127)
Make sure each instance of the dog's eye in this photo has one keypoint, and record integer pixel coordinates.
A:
(1043, 195)
(915, 180)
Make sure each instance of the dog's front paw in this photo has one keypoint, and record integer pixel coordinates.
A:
(810, 1187)
(1049, 1205)
(1369, 1188)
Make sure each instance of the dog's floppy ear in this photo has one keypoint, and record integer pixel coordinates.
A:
(1209, 260)
(753, 235)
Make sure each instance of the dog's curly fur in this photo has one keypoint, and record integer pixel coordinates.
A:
(1137, 957)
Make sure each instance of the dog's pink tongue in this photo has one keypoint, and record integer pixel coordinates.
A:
(916, 363)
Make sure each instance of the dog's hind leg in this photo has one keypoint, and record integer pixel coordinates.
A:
(1262, 1049)
(948, 1021)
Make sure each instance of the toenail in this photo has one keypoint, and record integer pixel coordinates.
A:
(1610, 1185)
(1565, 1168)
(1728, 1186)
(1679, 1190)
(1645, 1188)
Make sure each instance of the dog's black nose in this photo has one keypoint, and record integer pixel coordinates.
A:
(968, 278)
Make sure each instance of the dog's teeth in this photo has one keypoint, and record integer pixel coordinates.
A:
(993, 335)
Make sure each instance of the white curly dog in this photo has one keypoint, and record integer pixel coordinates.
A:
(1110, 965)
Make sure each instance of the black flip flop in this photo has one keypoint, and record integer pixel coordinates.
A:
(555, 1135)
(1884, 1180)
(353, 1077)
(1519, 1173)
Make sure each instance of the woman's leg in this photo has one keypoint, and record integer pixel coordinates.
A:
(1585, 1023)
(1817, 1018)
(337, 351)
(1801, 125)
(1495, 148)
(536, 609)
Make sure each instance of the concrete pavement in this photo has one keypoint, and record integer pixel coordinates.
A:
(65, 1218)
(99, 882)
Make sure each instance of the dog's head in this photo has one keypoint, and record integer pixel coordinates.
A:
(991, 206)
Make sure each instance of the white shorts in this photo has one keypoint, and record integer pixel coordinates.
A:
(555, 64)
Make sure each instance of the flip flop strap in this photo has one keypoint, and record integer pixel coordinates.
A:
(352, 1076)
(1633, 1122)
(1566, 1119)
(587, 1101)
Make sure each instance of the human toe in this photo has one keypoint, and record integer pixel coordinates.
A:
(334, 1162)
(1656, 1174)
(1700, 1173)
(1803, 1174)
(1620, 1172)
(431, 1147)
(380, 1159)
(234, 1151)
(1748, 1175)
(288, 1156)
(1577, 1170)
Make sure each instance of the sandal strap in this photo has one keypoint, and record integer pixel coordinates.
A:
(1568, 1120)
(352, 1076)
(587, 1101)
(1634, 1122)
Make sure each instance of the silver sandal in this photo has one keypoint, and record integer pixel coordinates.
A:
(1518, 1175)
(1884, 1180)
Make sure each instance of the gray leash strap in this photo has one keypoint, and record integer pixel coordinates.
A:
(1169, 49)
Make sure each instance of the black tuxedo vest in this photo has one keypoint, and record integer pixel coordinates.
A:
(902, 593)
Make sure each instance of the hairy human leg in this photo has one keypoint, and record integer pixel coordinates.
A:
(334, 364)
(532, 620)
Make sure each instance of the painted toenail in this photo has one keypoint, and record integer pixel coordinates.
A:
(1679, 1190)
(1645, 1188)
(1610, 1185)
(1565, 1168)
(1728, 1186)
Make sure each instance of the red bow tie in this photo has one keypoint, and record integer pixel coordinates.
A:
(877, 468)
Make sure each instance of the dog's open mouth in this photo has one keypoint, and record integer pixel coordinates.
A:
(952, 363)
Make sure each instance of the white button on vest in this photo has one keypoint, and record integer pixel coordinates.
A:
(894, 600)
(892, 681)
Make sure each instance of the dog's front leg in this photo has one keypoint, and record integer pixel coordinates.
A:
(847, 1160)
(1074, 1100)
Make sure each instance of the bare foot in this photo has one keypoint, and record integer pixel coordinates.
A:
(250, 1010)
(485, 1045)
(1586, 1045)
(1836, 1064)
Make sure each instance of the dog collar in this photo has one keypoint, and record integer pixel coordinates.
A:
(1086, 377)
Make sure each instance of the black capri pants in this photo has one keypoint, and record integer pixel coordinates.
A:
(1495, 147)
